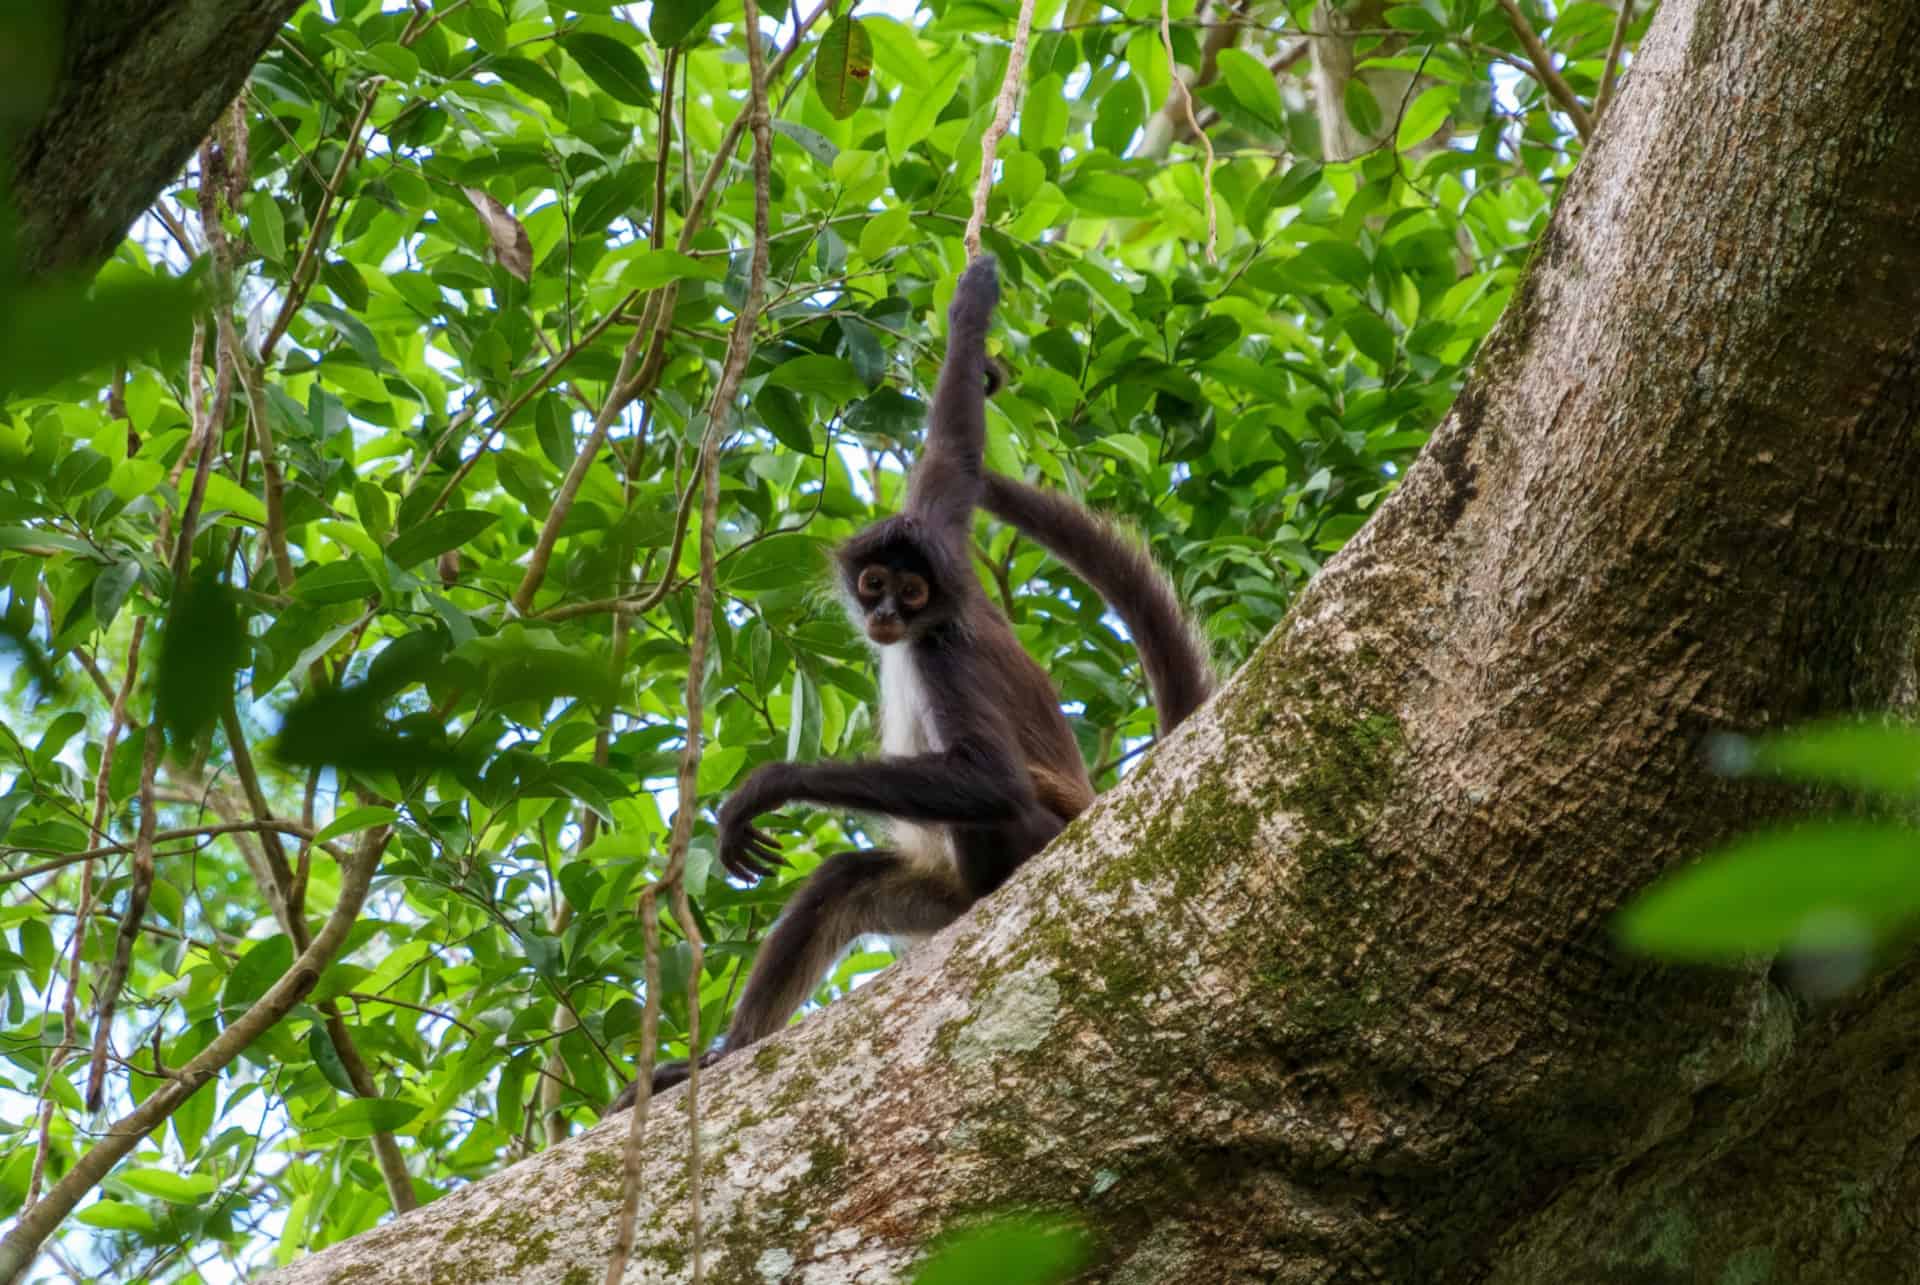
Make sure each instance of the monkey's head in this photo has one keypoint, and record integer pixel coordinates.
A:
(898, 585)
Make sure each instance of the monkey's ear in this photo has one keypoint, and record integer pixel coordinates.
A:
(996, 376)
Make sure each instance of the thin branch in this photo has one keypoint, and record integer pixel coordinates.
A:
(1548, 75)
(165, 836)
(719, 412)
(139, 889)
(1002, 118)
(69, 998)
(1607, 74)
(1186, 101)
(278, 885)
(301, 281)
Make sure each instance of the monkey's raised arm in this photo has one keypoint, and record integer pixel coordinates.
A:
(945, 486)
(1120, 570)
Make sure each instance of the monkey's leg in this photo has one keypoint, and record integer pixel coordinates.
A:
(849, 895)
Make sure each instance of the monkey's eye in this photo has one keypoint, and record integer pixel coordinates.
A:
(913, 592)
(873, 582)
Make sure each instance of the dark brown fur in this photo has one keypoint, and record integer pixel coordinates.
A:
(1120, 570)
(1001, 773)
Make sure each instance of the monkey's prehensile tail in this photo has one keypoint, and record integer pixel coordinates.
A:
(1118, 568)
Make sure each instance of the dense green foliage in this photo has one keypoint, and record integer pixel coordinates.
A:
(463, 213)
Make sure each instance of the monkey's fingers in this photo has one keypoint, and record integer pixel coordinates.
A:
(757, 856)
(766, 847)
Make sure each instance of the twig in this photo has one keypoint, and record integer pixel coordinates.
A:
(1186, 101)
(165, 836)
(39, 1221)
(301, 279)
(1620, 24)
(1002, 117)
(139, 889)
(69, 1006)
(627, 604)
(1543, 68)
(739, 349)
(278, 885)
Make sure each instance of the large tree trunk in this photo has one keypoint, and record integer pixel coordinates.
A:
(139, 86)
(1324, 991)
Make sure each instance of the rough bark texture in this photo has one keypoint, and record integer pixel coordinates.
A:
(1324, 992)
(139, 86)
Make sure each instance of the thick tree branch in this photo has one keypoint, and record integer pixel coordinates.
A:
(132, 102)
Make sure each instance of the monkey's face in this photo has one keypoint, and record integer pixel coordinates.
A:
(893, 600)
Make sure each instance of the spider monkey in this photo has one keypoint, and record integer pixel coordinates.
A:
(980, 769)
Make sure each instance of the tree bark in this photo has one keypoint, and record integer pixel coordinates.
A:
(1325, 990)
(139, 86)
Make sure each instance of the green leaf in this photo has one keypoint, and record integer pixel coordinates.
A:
(343, 581)
(1819, 886)
(811, 141)
(354, 820)
(1300, 180)
(117, 1215)
(450, 530)
(202, 647)
(652, 268)
(1372, 336)
(817, 373)
(1113, 195)
(680, 22)
(325, 1056)
(164, 1184)
(1043, 116)
(1122, 110)
(364, 1117)
(531, 78)
(36, 947)
(1363, 110)
(1425, 115)
(394, 61)
(257, 970)
(915, 111)
(1873, 756)
(612, 66)
(884, 231)
(1018, 1250)
(843, 66)
(230, 496)
(1411, 17)
(781, 561)
(1253, 86)
(266, 227)
(57, 332)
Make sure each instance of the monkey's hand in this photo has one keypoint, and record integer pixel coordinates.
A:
(746, 851)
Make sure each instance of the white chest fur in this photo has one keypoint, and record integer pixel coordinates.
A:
(906, 722)
(906, 727)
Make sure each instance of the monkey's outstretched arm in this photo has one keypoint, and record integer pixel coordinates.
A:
(968, 784)
(945, 486)
(1118, 568)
